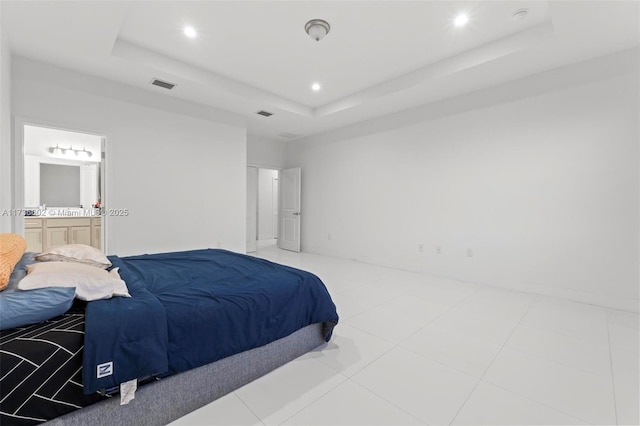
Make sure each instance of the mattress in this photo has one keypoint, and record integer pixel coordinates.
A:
(41, 370)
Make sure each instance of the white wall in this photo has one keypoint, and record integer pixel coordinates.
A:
(6, 192)
(266, 152)
(181, 176)
(543, 189)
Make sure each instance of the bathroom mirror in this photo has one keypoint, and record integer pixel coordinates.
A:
(59, 185)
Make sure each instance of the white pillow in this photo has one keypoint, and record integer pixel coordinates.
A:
(91, 283)
(79, 253)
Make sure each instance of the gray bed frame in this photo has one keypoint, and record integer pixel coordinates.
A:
(166, 400)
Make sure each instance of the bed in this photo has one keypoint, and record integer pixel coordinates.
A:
(198, 324)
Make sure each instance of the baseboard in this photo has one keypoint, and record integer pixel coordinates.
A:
(589, 298)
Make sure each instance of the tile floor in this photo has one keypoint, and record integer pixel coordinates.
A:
(415, 349)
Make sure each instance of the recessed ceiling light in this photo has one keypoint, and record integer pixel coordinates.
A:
(315, 87)
(461, 20)
(190, 32)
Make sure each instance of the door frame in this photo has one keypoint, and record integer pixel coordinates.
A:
(18, 170)
(251, 247)
(258, 167)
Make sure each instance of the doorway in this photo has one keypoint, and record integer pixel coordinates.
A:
(262, 207)
(62, 183)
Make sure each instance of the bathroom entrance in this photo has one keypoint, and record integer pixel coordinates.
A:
(262, 207)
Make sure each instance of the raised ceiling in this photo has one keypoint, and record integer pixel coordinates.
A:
(379, 57)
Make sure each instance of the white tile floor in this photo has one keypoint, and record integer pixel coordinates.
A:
(414, 349)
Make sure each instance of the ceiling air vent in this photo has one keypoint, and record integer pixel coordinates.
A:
(163, 84)
(265, 113)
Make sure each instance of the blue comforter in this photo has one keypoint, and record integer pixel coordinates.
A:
(191, 308)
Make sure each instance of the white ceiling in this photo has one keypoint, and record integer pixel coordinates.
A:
(379, 57)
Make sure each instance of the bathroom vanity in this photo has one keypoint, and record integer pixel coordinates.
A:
(44, 232)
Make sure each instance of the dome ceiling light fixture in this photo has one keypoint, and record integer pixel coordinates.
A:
(317, 29)
(520, 14)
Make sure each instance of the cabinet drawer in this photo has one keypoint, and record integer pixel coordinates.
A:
(54, 223)
(33, 223)
(96, 221)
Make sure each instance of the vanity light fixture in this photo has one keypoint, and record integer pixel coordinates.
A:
(84, 153)
(70, 152)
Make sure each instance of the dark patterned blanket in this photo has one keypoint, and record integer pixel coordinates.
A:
(41, 370)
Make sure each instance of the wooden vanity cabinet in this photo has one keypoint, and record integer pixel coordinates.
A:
(43, 233)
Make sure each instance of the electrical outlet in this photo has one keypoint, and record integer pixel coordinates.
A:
(329, 236)
(438, 249)
(469, 252)
(420, 248)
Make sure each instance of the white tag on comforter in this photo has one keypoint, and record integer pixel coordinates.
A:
(128, 391)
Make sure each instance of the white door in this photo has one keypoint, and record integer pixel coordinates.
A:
(252, 208)
(289, 229)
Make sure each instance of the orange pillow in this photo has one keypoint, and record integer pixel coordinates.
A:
(12, 247)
